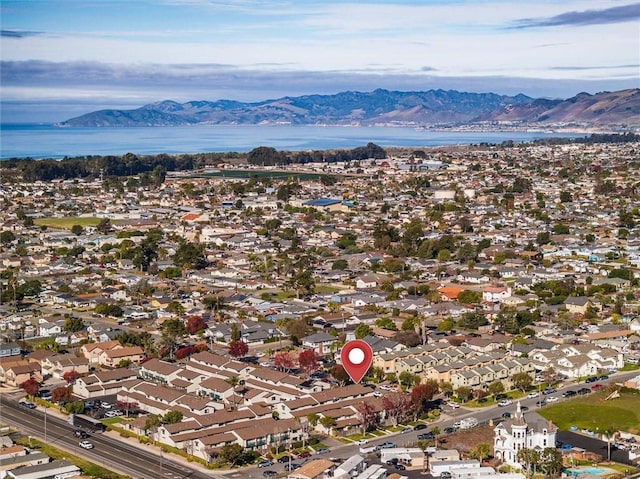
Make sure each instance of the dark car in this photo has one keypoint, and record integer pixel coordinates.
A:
(449, 430)
(591, 379)
(506, 415)
(265, 463)
(28, 405)
(322, 450)
(392, 462)
(80, 433)
(304, 454)
(419, 427)
(284, 459)
(399, 467)
(569, 393)
(291, 467)
(524, 408)
(269, 473)
(602, 377)
(425, 436)
(584, 391)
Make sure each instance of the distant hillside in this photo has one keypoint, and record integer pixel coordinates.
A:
(384, 107)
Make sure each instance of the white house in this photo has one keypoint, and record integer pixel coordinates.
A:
(516, 433)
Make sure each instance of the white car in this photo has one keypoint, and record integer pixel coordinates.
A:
(505, 402)
(86, 444)
(377, 394)
(362, 442)
(453, 405)
(532, 395)
(552, 399)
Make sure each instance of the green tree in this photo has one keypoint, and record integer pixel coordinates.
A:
(77, 230)
(481, 451)
(189, 255)
(495, 388)
(173, 332)
(551, 462)
(172, 417)
(73, 325)
(522, 380)
(530, 459)
(464, 393)
(362, 331)
(7, 236)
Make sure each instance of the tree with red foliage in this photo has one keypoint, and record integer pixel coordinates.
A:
(195, 324)
(396, 405)
(339, 374)
(308, 361)
(367, 415)
(284, 360)
(421, 394)
(182, 353)
(61, 393)
(71, 376)
(31, 387)
(238, 349)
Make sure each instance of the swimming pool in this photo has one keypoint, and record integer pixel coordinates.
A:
(596, 471)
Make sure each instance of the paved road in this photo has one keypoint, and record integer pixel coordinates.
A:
(108, 452)
(593, 445)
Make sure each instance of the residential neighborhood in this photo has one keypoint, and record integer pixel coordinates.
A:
(212, 307)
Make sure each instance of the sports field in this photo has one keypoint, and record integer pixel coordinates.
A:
(592, 412)
(67, 223)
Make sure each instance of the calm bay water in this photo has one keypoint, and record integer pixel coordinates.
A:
(46, 141)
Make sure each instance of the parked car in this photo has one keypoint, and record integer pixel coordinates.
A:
(506, 415)
(269, 473)
(552, 399)
(304, 454)
(399, 467)
(419, 427)
(597, 387)
(283, 459)
(291, 467)
(524, 408)
(405, 430)
(361, 442)
(392, 461)
(569, 393)
(322, 450)
(265, 463)
(582, 391)
(505, 402)
(532, 395)
(28, 405)
(449, 430)
(426, 436)
(86, 444)
(453, 405)
(602, 377)
(387, 445)
(591, 379)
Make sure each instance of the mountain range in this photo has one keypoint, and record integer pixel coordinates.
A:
(383, 107)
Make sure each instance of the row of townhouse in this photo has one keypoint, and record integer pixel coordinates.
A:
(577, 360)
(460, 366)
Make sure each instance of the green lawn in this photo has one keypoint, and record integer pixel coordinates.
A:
(592, 411)
(67, 223)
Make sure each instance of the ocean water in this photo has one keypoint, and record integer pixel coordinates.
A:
(48, 141)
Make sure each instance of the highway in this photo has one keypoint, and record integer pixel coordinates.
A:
(110, 453)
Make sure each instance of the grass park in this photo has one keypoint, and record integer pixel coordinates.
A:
(67, 222)
(594, 412)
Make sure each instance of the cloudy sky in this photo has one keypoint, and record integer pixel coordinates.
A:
(64, 58)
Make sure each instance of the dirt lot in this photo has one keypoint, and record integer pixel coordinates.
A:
(466, 440)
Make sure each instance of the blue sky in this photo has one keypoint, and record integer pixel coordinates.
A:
(62, 58)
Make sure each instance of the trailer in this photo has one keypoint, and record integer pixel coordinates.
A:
(85, 422)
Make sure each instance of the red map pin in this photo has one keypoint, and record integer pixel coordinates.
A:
(357, 357)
